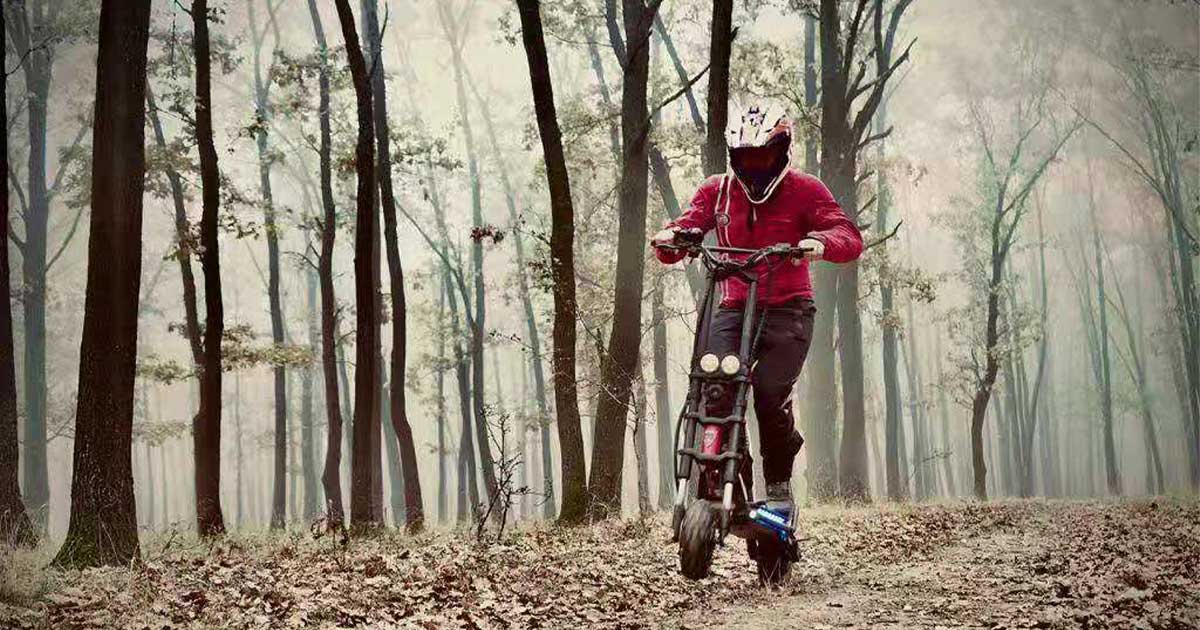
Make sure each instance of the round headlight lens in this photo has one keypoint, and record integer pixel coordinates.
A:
(730, 364)
(709, 363)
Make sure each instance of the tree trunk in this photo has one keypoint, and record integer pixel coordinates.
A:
(237, 452)
(262, 124)
(719, 50)
(1033, 406)
(639, 445)
(852, 465)
(162, 467)
(392, 453)
(414, 515)
(148, 464)
(944, 414)
(1156, 479)
(308, 443)
(921, 464)
(623, 349)
(1010, 420)
(662, 404)
(983, 391)
(182, 239)
(331, 479)
(468, 487)
(531, 327)
(103, 522)
(842, 130)
(29, 42)
(207, 426)
(477, 320)
(838, 168)
(363, 515)
(897, 476)
(441, 401)
(562, 252)
(15, 527)
(1112, 477)
(820, 415)
(1052, 485)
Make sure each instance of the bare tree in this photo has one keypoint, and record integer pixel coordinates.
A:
(845, 69)
(562, 252)
(413, 503)
(720, 48)
(15, 526)
(1148, 72)
(621, 354)
(206, 432)
(363, 514)
(1010, 181)
(263, 114)
(331, 476)
(821, 401)
(37, 30)
(524, 293)
(455, 25)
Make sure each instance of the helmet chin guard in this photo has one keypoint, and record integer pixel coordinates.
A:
(758, 193)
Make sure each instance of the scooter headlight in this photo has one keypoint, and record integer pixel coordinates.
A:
(730, 364)
(709, 363)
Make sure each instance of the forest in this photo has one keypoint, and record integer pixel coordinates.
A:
(358, 320)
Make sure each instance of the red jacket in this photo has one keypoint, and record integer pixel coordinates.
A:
(801, 207)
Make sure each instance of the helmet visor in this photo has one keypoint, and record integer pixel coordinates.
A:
(758, 167)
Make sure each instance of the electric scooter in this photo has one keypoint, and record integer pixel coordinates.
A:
(716, 445)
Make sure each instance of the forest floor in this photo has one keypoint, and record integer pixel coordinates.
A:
(1012, 564)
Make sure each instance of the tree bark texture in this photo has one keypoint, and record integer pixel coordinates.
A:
(103, 520)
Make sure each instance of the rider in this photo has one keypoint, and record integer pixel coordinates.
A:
(761, 203)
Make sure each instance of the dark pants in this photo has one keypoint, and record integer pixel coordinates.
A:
(787, 331)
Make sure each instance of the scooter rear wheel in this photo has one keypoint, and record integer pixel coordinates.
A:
(697, 538)
(774, 560)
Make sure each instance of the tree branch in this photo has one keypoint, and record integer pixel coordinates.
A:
(680, 92)
(852, 37)
(874, 138)
(62, 168)
(883, 239)
(865, 115)
(614, 31)
(62, 247)
(697, 118)
(16, 186)
(16, 240)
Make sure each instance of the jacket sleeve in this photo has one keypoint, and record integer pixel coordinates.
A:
(828, 224)
(700, 214)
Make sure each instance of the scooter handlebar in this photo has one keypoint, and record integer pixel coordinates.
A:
(753, 256)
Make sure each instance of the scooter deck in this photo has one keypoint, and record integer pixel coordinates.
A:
(742, 526)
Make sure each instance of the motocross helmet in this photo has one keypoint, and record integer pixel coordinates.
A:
(759, 138)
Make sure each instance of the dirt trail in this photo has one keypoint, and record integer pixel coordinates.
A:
(952, 588)
(1005, 564)
(1066, 566)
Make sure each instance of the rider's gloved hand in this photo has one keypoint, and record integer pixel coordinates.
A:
(663, 237)
(814, 250)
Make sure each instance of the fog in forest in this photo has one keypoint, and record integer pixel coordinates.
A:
(1097, 389)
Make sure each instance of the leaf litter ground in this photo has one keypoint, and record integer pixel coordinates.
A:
(1034, 564)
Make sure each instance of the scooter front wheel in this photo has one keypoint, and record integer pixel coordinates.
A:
(697, 539)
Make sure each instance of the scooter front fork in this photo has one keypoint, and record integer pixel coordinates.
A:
(726, 509)
(680, 507)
